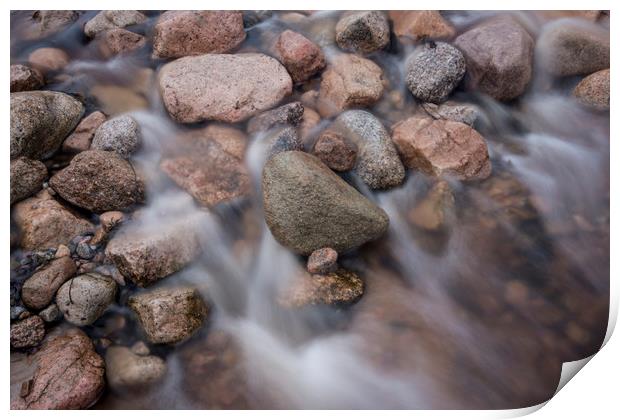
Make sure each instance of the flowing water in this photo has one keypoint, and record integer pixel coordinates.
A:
(479, 315)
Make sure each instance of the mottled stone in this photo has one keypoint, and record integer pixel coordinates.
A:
(593, 91)
(27, 178)
(126, 370)
(38, 291)
(83, 299)
(432, 213)
(301, 57)
(119, 41)
(363, 32)
(421, 24)
(289, 114)
(335, 151)
(322, 261)
(112, 19)
(463, 113)
(28, 332)
(24, 78)
(51, 313)
(83, 134)
(50, 22)
(120, 134)
(340, 288)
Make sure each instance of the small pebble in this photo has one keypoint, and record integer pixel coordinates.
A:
(323, 261)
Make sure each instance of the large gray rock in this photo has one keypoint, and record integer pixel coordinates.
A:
(378, 164)
(120, 135)
(126, 370)
(363, 32)
(40, 121)
(308, 207)
(27, 178)
(112, 19)
(83, 299)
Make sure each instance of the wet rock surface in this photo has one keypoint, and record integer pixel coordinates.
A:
(27, 333)
(338, 288)
(363, 32)
(126, 370)
(289, 114)
(39, 290)
(48, 59)
(82, 136)
(335, 151)
(85, 298)
(120, 134)
(27, 178)
(112, 19)
(322, 261)
(25, 78)
(49, 22)
(421, 24)
(301, 57)
(119, 41)
(593, 90)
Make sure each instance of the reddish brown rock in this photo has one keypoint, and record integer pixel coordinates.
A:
(39, 290)
(301, 57)
(442, 147)
(27, 178)
(593, 91)
(421, 24)
(338, 288)
(322, 261)
(83, 134)
(28, 332)
(119, 41)
(194, 32)
(25, 78)
(335, 151)
(48, 59)
(110, 219)
(69, 375)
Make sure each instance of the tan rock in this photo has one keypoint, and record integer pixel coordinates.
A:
(338, 288)
(25, 78)
(48, 59)
(126, 370)
(27, 178)
(433, 212)
(421, 24)
(593, 90)
(80, 139)
(38, 291)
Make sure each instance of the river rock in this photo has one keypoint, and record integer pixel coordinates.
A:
(499, 58)
(308, 207)
(570, 48)
(593, 91)
(51, 313)
(378, 164)
(25, 78)
(112, 19)
(223, 87)
(442, 147)
(48, 59)
(119, 41)
(83, 134)
(38, 291)
(27, 178)
(69, 375)
(421, 24)
(289, 114)
(111, 219)
(83, 299)
(194, 32)
(49, 22)
(40, 121)
(322, 261)
(434, 70)
(282, 139)
(126, 370)
(99, 181)
(254, 17)
(349, 81)
(433, 212)
(335, 151)
(463, 113)
(340, 288)
(363, 32)
(169, 315)
(45, 223)
(119, 134)
(28, 332)
(301, 57)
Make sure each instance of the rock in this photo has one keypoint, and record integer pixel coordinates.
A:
(17, 311)
(340, 288)
(45, 223)
(363, 32)
(84, 250)
(119, 41)
(221, 87)
(40, 121)
(322, 261)
(39, 290)
(140, 349)
(99, 181)
(301, 57)
(593, 91)
(282, 139)
(309, 125)
(48, 59)
(62, 251)
(434, 210)
(51, 314)
(308, 207)
(120, 134)
(499, 58)
(27, 178)
(254, 17)
(169, 315)
(83, 299)
(49, 22)
(112, 19)
(335, 151)
(194, 32)
(440, 147)
(570, 48)
(378, 164)
(83, 134)
(69, 375)
(27, 333)
(126, 370)
(434, 70)
(289, 114)
(110, 219)
(463, 113)
(24, 78)
(147, 256)
(421, 24)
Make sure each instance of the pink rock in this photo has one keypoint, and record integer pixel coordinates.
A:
(25, 78)
(39, 290)
(322, 261)
(421, 24)
(48, 59)
(119, 41)
(301, 57)
(335, 151)
(80, 139)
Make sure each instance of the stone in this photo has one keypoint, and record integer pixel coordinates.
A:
(27, 333)
(434, 70)
(301, 57)
(499, 55)
(335, 151)
(39, 290)
(27, 177)
(69, 375)
(433, 212)
(62, 251)
(463, 113)
(593, 91)
(421, 24)
(25, 78)
(340, 288)
(51, 314)
(140, 348)
(119, 134)
(99, 181)
(442, 148)
(322, 261)
(308, 207)
(82, 136)
(349, 82)
(169, 315)
(48, 60)
(84, 250)
(119, 41)
(282, 139)
(126, 370)
(222, 87)
(289, 114)
(40, 121)
(570, 48)
(112, 19)
(254, 17)
(49, 22)
(363, 31)
(179, 33)
(378, 164)
(83, 299)
(309, 126)
(111, 219)
(45, 223)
